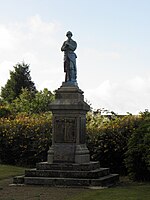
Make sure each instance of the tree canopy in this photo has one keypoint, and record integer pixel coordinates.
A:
(32, 103)
(19, 79)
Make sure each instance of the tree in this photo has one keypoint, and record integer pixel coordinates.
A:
(19, 79)
(32, 103)
(42, 100)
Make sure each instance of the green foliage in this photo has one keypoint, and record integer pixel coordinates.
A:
(32, 103)
(25, 139)
(138, 153)
(4, 111)
(23, 103)
(42, 100)
(118, 142)
(19, 78)
(108, 137)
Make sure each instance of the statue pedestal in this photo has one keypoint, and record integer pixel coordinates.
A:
(68, 158)
(69, 126)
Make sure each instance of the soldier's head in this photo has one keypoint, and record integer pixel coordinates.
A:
(69, 34)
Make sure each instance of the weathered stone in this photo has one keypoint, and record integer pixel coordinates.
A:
(69, 126)
(81, 182)
(18, 180)
(108, 180)
(67, 174)
(68, 166)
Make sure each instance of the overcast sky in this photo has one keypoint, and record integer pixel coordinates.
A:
(113, 38)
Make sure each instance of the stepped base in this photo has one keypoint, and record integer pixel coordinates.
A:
(103, 181)
(67, 174)
(68, 166)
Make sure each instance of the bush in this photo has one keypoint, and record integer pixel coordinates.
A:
(25, 140)
(31, 102)
(138, 153)
(108, 138)
(118, 142)
(4, 111)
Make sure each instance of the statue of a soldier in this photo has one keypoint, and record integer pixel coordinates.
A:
(69, 46)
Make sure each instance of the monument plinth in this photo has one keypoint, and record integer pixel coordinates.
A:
(69, 126)
(68, 161)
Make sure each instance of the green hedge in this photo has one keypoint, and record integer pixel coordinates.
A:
(138, 153)
(108, 138)
(24, 140)
(119, 142)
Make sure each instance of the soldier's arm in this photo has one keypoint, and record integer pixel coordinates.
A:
(73, 46)
(63, 48)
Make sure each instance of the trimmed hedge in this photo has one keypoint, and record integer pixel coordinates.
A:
(108, 138)
(119, 142)
(24, 140)
(138, 153)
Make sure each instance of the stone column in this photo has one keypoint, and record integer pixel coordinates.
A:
(69, 126)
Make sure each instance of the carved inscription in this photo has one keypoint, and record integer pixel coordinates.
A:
(64, 130)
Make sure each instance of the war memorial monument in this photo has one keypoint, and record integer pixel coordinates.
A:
(68, 161)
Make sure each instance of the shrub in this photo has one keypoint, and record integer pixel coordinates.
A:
(4, 111)
(138, 153)
(31, 102)
(108, 138)
(118, 142)
(25, 140)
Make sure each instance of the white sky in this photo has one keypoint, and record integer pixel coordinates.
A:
(113, 38)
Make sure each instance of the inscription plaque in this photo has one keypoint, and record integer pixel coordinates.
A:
(65, 130)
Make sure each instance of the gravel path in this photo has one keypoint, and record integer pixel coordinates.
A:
(26, 192)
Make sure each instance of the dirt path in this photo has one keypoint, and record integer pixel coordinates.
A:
(25, 192)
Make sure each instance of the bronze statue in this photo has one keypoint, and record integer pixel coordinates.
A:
(69, 46)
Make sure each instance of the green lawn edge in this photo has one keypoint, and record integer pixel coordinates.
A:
(125, 190)
(7, 171)
(132, 192)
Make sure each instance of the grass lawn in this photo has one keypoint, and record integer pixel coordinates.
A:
(7, 171)
(126, 190)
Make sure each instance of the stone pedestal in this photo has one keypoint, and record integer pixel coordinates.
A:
(69, 126)
(68, 158)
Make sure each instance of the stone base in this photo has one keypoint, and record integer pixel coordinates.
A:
(50, 155)
(68, 174)
(81, 154)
